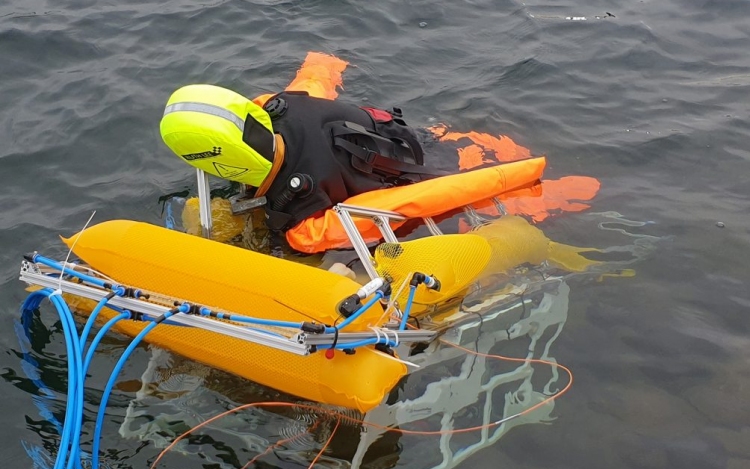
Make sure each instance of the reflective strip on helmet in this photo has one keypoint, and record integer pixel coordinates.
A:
(207, 109)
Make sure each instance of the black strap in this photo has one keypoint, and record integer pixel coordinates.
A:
(258, 137)
(365, 159)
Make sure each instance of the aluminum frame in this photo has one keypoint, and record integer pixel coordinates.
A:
(204, 203)
(300, 344)
(382, 219)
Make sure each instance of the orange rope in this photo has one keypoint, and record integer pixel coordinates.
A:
(328, 442)
(341, 416)
(277, 444)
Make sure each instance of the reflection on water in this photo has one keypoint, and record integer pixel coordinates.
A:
(450, 389)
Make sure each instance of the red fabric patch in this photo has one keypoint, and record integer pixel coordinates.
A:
(378, 114)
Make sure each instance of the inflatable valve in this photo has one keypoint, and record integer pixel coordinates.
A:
(299, 185)
(430, 282)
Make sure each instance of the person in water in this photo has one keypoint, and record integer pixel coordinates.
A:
(303, 154)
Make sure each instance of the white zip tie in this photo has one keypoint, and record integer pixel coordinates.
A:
(376, 330)
(402, 361)
(396, 340)
(70, 251)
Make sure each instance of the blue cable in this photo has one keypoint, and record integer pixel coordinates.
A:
(108, 389)
(99, 336)
(407, 309)
(32, 302)
(71, 339)
(56, 265)
(113, 377)
(92, 319)
(69, 453)
(29, 365)
(68, 456)
(62, 453)
(77, 395)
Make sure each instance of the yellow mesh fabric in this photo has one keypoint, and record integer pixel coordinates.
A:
(455, 260)
(514, 242)
(225, 226)
(228, 278)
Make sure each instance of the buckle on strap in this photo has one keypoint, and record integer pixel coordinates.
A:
(370, 156)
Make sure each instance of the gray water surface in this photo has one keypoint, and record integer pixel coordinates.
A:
(648, 97)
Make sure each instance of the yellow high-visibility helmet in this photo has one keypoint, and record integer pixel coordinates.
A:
(220, 132)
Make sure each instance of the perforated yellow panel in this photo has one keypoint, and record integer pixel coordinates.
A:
(455, 260)
(515, 241)
(233, 279)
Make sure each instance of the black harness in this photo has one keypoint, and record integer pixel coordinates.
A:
(335, 151)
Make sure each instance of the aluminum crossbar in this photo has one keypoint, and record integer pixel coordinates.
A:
(382, 219)
(154, 311)
(299, 344)
(401, 336)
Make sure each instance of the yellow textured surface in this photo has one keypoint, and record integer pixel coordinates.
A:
(515, 241)
(455, 260)
(233, 279)
(224, 225)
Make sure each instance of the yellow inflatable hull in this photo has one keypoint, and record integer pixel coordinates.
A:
(228, 278)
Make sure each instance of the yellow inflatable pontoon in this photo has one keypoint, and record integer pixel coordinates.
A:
(228, 278)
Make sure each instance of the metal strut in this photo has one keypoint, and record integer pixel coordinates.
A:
(382, 219)
(204, 203)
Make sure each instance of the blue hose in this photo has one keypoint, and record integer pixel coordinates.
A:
(56, 265)
(407, 309)
(108, 390)
(77, 397)
(92, 319)
(99, 336)
(113, 377)
(250, 320)
(68, 456)
(71, 340)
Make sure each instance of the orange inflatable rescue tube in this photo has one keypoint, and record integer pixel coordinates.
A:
(423, 199)
(319, 75)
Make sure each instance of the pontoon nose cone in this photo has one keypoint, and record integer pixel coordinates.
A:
(68, 241)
